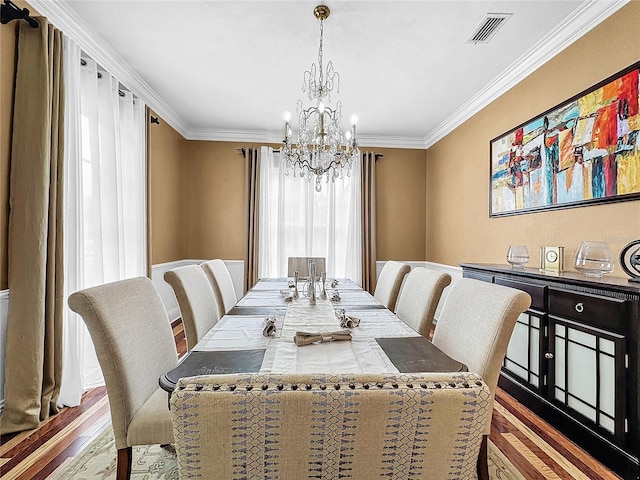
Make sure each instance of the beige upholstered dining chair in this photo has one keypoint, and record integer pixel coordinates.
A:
(294, 426)
(389, 283)
(221, 283)
(419, 298)
(134, 343)
(197, 302)
(301, 265)
(474, 327)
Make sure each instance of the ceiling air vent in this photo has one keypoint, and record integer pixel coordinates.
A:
(488, 27)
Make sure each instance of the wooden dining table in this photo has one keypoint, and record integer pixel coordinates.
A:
(381, 343)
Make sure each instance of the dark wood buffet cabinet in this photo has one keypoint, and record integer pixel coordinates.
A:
(574, 358)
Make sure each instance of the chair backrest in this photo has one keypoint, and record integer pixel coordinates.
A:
(389, 283)
(475, 325)
(134, 343)
(198, 306)
(301, 265)
(419, 426)
(419, 298)
(221, 283)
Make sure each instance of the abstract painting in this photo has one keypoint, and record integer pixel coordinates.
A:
(583, 151)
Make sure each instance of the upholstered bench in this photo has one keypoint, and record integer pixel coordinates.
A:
(360, 426)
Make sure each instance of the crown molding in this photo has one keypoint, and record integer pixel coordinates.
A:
(580, 21)
(64, 18)
(264, 136)
(226, 135)
(391, 142)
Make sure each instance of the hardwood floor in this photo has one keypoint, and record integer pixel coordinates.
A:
(536, 449)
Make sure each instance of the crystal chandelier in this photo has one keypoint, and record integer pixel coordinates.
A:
(321, 149)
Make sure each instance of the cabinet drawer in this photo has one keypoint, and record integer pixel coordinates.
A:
(604, 312)
(537, 292)
(485, 277)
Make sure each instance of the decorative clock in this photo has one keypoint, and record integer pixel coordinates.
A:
(551, 259)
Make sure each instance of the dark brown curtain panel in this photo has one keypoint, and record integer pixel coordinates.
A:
(369, 221)
(252, 186)
(34, 330)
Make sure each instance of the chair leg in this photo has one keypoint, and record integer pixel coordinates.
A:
(482, 466)
(123, 471)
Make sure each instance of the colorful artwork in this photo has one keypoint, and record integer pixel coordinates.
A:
(584, 151)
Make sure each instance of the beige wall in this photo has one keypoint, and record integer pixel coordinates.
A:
(215, 199)
(401, 211)
(167, 193)
(458, 225)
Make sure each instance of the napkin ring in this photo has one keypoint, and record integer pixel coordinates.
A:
(269, 326)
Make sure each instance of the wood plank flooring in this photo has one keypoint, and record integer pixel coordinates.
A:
(536, 449)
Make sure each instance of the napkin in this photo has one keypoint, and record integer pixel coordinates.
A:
(346, 321)
(269, 326)
(335, 296)
(307, 338)
(334, 283)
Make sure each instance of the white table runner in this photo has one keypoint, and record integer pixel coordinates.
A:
(361, 354)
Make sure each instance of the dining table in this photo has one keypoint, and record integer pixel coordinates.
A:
(257, 336)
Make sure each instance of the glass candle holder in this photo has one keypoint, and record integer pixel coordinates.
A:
(594, 259)
(517, 256)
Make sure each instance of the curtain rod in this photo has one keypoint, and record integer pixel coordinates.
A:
(83, 62)
(242, 150)
(9, 11)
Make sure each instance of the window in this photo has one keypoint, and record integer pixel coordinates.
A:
(297, 221)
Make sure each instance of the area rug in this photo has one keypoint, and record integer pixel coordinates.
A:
(98, 462)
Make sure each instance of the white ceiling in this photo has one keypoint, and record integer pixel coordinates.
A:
(227, 70)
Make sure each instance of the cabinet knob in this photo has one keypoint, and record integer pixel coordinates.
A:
(579, 307)
(548, 355)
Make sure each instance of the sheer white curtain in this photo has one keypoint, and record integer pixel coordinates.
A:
(105, 201)
(297, 221)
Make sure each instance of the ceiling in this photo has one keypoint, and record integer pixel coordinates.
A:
(228, 70)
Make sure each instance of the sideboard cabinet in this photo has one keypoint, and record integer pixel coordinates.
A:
(574, 358)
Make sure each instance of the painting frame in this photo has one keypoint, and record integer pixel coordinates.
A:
(583, 151)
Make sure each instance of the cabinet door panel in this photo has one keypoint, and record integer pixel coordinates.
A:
(585, 374)
(523, 352)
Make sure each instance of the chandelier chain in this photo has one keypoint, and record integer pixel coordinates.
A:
(320, 54)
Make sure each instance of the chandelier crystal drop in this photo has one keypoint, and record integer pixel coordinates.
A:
(321, 148)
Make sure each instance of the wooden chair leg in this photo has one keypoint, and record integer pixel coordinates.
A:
(482, 466)
(123, 470)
